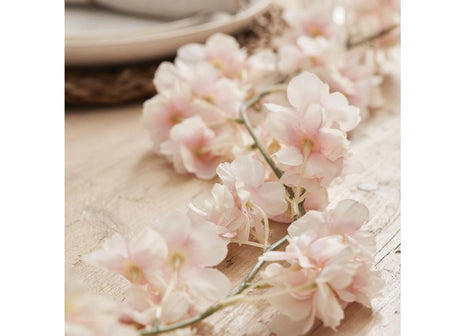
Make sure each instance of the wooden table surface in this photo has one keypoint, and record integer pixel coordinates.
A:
(115, 184)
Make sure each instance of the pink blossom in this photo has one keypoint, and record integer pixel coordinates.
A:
(327, 265)
(180, 254)
(305, 143)
(327, 269)
(244, 200)
(195, 148)
(346, 218)
(220, 50)
(262, 71)
(165, 110)
(371, 16)
(142, 305)
(313, 22)
(206, 83)
(311, 133)
(138, 260)
(88, 314)
(307, 53)
(232, 221)
(355, 78)
(195, 246)
(325, 275)
(307, 89)
(245, 176)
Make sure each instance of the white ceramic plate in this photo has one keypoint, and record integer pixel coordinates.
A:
(96, 36)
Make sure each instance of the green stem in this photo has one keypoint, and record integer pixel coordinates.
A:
(257, 143)
(227, 302)
(253, 272)
(248, 126)
(372, 37)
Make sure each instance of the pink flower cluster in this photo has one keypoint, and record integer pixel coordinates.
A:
(310, 137)
(169, 267)
(329, 261)
(243, 201)
(89, 314)
(317, 43)
(190, 120)
(276, 155)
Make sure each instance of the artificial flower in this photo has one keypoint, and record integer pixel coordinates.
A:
(194, 246)
(346, 219)
(245, 176)
(220, 50)
(88, 314)
(230, 219)
(138, 260)
(195, 148)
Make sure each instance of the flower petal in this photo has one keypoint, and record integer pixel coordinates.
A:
(290, 156)
(348, 216)
(306, 89)
(207, 284)
(329, 310)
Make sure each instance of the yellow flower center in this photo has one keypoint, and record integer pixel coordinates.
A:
(314, 31)
(176, 260)
(133, 272)
(218, 64)
(175, 118)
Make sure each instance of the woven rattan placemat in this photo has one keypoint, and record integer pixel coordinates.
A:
(131, 82)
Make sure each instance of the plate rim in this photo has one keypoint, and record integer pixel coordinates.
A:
(256, 7)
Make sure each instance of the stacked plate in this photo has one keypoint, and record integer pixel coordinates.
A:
(98, 36)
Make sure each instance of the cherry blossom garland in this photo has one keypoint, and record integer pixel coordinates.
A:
(273, 127)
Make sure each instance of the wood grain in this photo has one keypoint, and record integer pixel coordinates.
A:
(115, 184)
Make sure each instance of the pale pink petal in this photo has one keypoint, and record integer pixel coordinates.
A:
(206, 247)
(329, 311)
(290, 156)
(348, 216)
(248, 170)
(113, 252)
(282, 123)
(313, 222)
(272, 269)
(333, 143)
(165, 76)
(275, 108)
(262, 62)
(339, 271)
(219, 41)
(227, 96)
(289, 59)
(224, 171)
(175, 227)
(317, 197)
(176, 307)
(319, 166)
(191, 53)
(170, 149)
(148, 247)
(337, 107)
(271, 198)
(312, 119)
(190, 130)
(290, 306)
(154, 118)
(324, 249)
(305, 89)
(207, 284)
